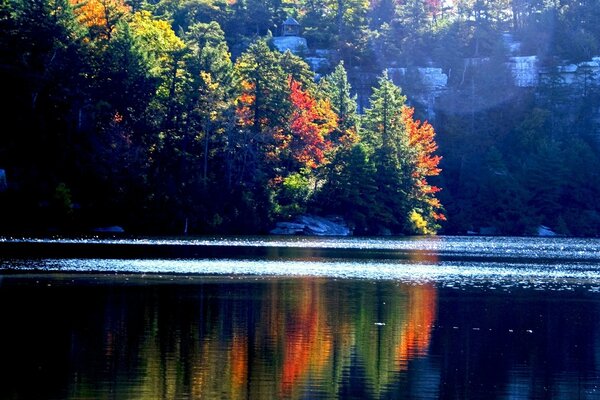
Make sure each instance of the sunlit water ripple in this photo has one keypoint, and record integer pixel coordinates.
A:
(546, 263)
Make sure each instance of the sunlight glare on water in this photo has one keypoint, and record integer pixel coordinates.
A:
(542, 262)
(573, 248)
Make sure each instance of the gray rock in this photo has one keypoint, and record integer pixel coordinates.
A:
(288, 228)
(324, 53)
(512, 45)
(312, 225)
(428, 83)
(317, 63)
(545, 231)
(295, 44)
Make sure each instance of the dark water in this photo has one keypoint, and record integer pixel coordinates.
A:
(450, 318)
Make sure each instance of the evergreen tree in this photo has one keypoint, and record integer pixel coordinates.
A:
(383, 131)
(336, 88)
(350, 189)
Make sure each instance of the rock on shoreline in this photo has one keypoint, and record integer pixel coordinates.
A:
(313, 225)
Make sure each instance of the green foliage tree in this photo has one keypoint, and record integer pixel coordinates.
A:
(384, 132)
(350, 189)
(336, 88)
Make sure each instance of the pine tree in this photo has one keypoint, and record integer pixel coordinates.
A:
(384, 132)
(336, 88)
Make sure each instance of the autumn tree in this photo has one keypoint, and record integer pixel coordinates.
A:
(403, 153)
(100, 16)
(425, 213)
(303, 149)
(311, 122)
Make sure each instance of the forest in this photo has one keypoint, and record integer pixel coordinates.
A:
(181, 116)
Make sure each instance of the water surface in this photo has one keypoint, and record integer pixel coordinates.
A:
(451, 318)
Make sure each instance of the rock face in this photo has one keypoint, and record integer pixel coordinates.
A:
(524, 70)
(295, 44)
(427, 84)
(512, 45)
(583, 74)
(318, 63)
(312, 225)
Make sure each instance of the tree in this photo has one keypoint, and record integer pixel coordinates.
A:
(311, 123)
(382, 122)
(350, 188)
(336, 88)
(295, 67)
(261, 77)
(421, 141)
(403, 153)
(383, 130)
(100, 16)
(212, 69)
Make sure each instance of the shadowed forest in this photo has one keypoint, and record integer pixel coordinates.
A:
(174, 116)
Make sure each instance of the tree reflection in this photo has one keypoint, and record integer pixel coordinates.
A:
(286, 340)
(296, 338)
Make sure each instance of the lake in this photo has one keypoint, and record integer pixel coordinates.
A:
(300, 318)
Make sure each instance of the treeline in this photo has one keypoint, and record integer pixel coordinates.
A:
(118, 118)
(372, 34)
(162, 114)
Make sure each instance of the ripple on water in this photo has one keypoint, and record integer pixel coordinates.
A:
(503, 276)
(547, 263)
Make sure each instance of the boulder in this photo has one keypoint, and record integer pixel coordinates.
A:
(288, 228)
(545, 231)
(312, 225)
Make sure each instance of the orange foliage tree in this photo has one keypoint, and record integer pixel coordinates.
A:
(311, 122)
(100, 16)
(421, 139)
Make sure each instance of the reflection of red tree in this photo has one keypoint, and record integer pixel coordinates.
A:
(416, 329)
(307, 341)
(239, 363)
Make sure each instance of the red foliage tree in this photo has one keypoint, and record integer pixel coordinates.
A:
(311, 122)
(421, 139)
